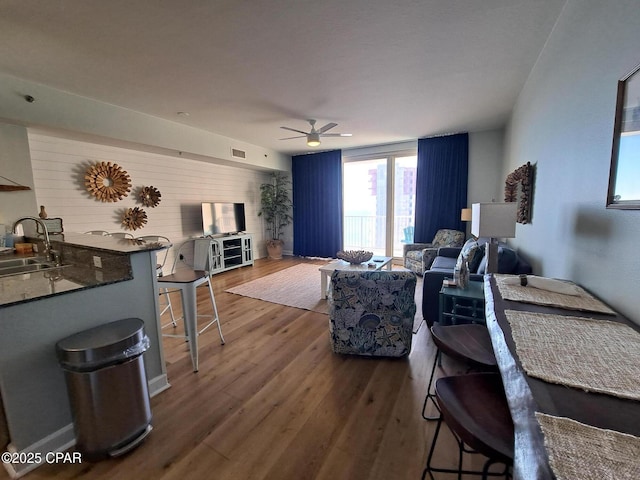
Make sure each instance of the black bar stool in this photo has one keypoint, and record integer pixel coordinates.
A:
(468, 343)
(475, 408)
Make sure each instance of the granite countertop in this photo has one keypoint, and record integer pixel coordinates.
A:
(16, 289)
(78, 271)
(111, 244)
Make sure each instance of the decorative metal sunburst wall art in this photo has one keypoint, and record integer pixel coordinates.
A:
(134, 218)
(149, 196)
(107, 181)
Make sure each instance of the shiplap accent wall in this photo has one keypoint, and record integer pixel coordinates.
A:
(59, 165)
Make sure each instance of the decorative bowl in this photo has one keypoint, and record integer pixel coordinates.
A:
(354, 257)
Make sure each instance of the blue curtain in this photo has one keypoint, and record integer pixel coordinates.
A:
(441, 184)
(317, 204)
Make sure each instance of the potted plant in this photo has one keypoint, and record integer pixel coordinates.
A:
(276, 206)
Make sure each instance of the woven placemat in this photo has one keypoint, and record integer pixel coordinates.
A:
(581, 451)
(594, 355)
(517, 293)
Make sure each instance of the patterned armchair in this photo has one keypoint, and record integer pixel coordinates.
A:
(371, 312)
(419, 256)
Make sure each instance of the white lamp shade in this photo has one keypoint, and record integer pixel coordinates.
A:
(495, 220)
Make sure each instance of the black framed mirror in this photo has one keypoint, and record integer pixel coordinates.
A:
(624, 175)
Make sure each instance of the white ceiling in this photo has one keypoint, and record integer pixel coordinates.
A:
(384, 70)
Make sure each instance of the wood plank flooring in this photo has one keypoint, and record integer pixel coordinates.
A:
(274, 403)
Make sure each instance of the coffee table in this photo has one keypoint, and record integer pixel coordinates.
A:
(376, 263)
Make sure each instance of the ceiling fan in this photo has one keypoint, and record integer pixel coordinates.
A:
(313, 136)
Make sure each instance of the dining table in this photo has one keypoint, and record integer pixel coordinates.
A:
(573, 367)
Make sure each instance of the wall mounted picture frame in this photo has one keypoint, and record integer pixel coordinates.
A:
(624, 173)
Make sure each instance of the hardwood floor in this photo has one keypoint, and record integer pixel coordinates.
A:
(274, 402)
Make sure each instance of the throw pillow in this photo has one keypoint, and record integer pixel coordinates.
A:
(473, 253)
(507, 260)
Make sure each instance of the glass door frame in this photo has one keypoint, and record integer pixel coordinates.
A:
(390, 157)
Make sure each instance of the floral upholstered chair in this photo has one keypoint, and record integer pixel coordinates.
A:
(419, 256)
(371, 312)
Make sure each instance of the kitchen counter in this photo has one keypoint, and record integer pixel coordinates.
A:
(81, 269)
(106, 279)
(105, 243)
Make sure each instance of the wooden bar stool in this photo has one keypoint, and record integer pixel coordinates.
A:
(469, 343)
(475, 409)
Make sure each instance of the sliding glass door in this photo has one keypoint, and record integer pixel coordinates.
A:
(365, 200)
(379, 201)
(404, 201)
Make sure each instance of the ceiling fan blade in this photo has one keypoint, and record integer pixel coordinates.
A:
(336, 135)
(328, 126)
(297, 136)
(294, 130)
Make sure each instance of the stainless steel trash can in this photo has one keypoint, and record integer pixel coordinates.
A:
(107, 386)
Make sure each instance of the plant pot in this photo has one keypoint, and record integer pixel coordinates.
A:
(274, 249)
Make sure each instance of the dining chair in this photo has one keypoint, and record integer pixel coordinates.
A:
(468, 343)
(475, 409)
(161, 259)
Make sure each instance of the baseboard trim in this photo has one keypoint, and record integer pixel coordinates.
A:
(58, 441)
(158, 385)
(63, 439)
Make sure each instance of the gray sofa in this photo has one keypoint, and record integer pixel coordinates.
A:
(442, 267)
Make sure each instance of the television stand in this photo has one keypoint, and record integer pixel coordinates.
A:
(224, 253)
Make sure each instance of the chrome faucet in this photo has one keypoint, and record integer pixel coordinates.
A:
(47, 243)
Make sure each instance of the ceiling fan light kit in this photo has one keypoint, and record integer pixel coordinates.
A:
(313, 139)
(313, 136)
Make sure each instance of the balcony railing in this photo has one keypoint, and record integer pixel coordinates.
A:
(368, 232)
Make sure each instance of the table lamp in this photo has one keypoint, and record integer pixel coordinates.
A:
(493, 220)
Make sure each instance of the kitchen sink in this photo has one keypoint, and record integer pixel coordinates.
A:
(17, 266)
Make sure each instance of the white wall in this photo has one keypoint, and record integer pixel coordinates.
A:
(55, 110)
(563, 124)
(485, 161)
(15, 164)
(59, 166)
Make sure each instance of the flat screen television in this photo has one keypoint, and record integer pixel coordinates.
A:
(219, 218)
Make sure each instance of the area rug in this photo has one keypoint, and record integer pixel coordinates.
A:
(299, 287)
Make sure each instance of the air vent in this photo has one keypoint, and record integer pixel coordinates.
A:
(238, 153)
